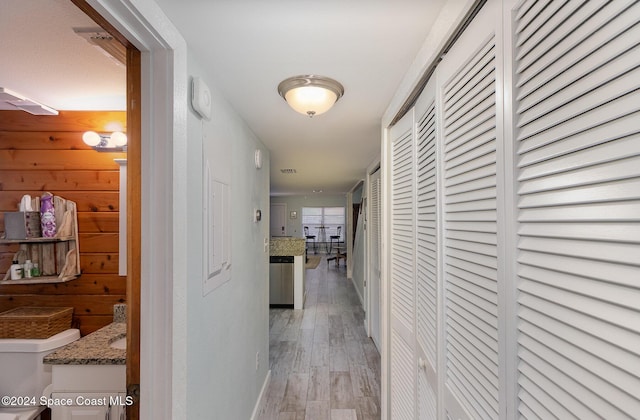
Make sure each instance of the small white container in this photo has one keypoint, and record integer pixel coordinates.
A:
(16, 271)
(28, 268)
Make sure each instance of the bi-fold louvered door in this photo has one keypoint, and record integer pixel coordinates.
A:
(470, 235)
(577, 69)
(414, 283)
(402, 270)
(426, 253)
(471, 259)
(374, 261)
(449, 165)
(515, 221)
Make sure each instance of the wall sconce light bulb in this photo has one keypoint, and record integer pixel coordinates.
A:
(91, 138)
(118, 138)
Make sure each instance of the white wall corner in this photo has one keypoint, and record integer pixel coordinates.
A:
(262, 397)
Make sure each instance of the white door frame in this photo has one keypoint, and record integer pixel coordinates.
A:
(163, 338)
(284, 216)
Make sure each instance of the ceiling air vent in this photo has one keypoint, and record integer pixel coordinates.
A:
(288, 171)
(101, 39)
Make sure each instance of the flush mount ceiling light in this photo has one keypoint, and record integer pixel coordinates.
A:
(310, 94)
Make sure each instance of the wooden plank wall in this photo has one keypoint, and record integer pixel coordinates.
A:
(46, 153)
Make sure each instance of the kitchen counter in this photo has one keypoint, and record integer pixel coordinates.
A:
(286, 246)
(93, 349)
(296, 247)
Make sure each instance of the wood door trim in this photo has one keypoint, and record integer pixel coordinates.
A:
(103, 23)
(134, 201)
(134, 222)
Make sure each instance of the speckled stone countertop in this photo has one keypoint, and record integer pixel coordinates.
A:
(92, 349)
(286, 246)
(95, 349)
(120, 312)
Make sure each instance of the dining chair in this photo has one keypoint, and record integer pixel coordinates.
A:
(310, 238)
(335, 238)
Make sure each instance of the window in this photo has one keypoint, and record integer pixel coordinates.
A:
(329, 217)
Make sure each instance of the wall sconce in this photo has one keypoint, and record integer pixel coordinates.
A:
(115, 142)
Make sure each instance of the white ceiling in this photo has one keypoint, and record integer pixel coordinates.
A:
(44, 60)
(249, 47)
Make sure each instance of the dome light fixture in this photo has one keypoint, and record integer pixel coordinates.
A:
(310, 94)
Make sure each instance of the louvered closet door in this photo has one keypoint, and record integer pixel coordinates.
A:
(578, 156)
(402, 271)
(374, 268)
(426, 254)
(471, 222)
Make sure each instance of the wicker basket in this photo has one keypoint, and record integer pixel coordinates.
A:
(33, 322)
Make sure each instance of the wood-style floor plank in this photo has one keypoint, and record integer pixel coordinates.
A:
(319, 384)
(342, 390)
(339, 359)
(295, 394)
(342, 414)
(323, 365)
(318, 410)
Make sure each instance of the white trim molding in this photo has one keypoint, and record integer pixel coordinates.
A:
(164, 163)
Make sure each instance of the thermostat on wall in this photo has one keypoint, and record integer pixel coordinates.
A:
(201, 98)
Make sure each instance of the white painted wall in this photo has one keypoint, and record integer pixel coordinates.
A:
(227, 327)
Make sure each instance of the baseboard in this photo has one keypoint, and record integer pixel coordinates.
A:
(261, 397)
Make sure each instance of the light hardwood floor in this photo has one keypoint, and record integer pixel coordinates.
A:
(323, 365)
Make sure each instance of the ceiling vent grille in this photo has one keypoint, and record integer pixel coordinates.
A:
(101, 39)
(288, 171)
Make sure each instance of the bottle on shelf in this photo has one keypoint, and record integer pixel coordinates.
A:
(28, 269)
(47, 216)
(16, 270)
(35, 271)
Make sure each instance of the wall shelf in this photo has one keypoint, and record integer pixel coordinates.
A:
(36, 240)
(58, 258)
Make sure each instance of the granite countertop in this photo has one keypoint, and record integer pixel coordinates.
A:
(92, 349)
(95, 349)
(287, 246)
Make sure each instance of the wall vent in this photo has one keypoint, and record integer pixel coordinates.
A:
(288, 171)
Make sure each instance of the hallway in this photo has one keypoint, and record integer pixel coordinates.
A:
(323, 365)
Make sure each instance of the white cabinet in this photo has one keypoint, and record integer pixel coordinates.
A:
(88, 392)
(88, 406)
